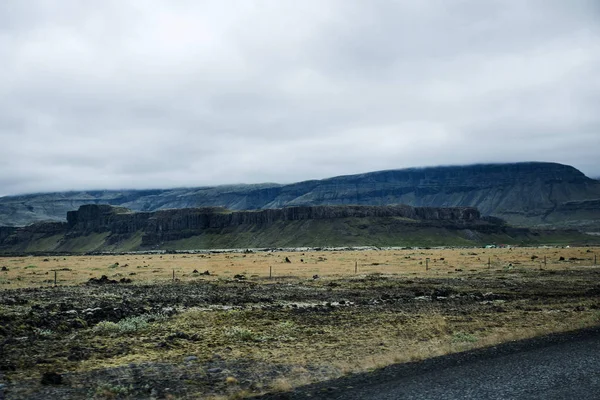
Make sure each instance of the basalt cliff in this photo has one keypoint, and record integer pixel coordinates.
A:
(107, 228)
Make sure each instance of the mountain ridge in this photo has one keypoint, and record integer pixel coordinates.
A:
(528, 194)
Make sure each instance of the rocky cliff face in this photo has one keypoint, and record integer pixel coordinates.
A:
(523, 193)
(178, 224)
(103, 218)
(168, 225)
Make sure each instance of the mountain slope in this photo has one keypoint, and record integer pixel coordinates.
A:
(106, 228)
(522, 193)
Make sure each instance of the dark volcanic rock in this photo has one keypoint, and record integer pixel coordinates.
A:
(51, 378)
(178, 224)
(103, 280)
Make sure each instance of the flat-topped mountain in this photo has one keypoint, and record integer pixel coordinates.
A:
(522, 193)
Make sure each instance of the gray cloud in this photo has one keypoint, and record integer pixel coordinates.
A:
(140, 94)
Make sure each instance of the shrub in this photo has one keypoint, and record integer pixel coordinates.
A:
(126, 325)
(43, 332)
(242, 334)
(109, 391)
(462, 337)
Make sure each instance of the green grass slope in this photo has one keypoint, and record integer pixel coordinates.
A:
(374, 231)
(379, 232)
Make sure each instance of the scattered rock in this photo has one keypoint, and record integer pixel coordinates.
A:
(315, 276)
(178, 335)
(287, 260)
(51, 378)
(214, 370)
(190, 358)
(4, 269)
(8, 367)
(240, 277)
(103, 280)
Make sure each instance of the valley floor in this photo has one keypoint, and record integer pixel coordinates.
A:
(235, 332)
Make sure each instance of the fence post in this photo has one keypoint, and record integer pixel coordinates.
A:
(173, 275)
(270, 272)
(355, 267)
(55, 277)
(427, 264)
(489, 262)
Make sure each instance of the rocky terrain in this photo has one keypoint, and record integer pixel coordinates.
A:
(525, 194)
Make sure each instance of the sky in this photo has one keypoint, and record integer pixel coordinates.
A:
(119, 94)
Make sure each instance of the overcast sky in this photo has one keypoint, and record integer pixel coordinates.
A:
(158, 94)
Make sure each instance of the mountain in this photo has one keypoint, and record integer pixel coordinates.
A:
(95, 228)
(526, 194)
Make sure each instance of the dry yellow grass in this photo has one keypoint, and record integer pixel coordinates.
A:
(39, 271)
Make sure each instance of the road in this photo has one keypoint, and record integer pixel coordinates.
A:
(561, 367)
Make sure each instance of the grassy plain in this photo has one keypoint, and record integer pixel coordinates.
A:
(39, 271)
(231, 337)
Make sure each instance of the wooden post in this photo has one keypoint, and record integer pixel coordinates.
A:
(489, 262)
(355, 267)
(270, 272)
(173, 275)
(594, 259)
(427, 264)
(545, 262)
(54, 277)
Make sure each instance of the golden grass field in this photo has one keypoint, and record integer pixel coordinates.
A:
(39, 271)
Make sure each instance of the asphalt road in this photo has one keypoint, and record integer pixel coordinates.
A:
(557, 367)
